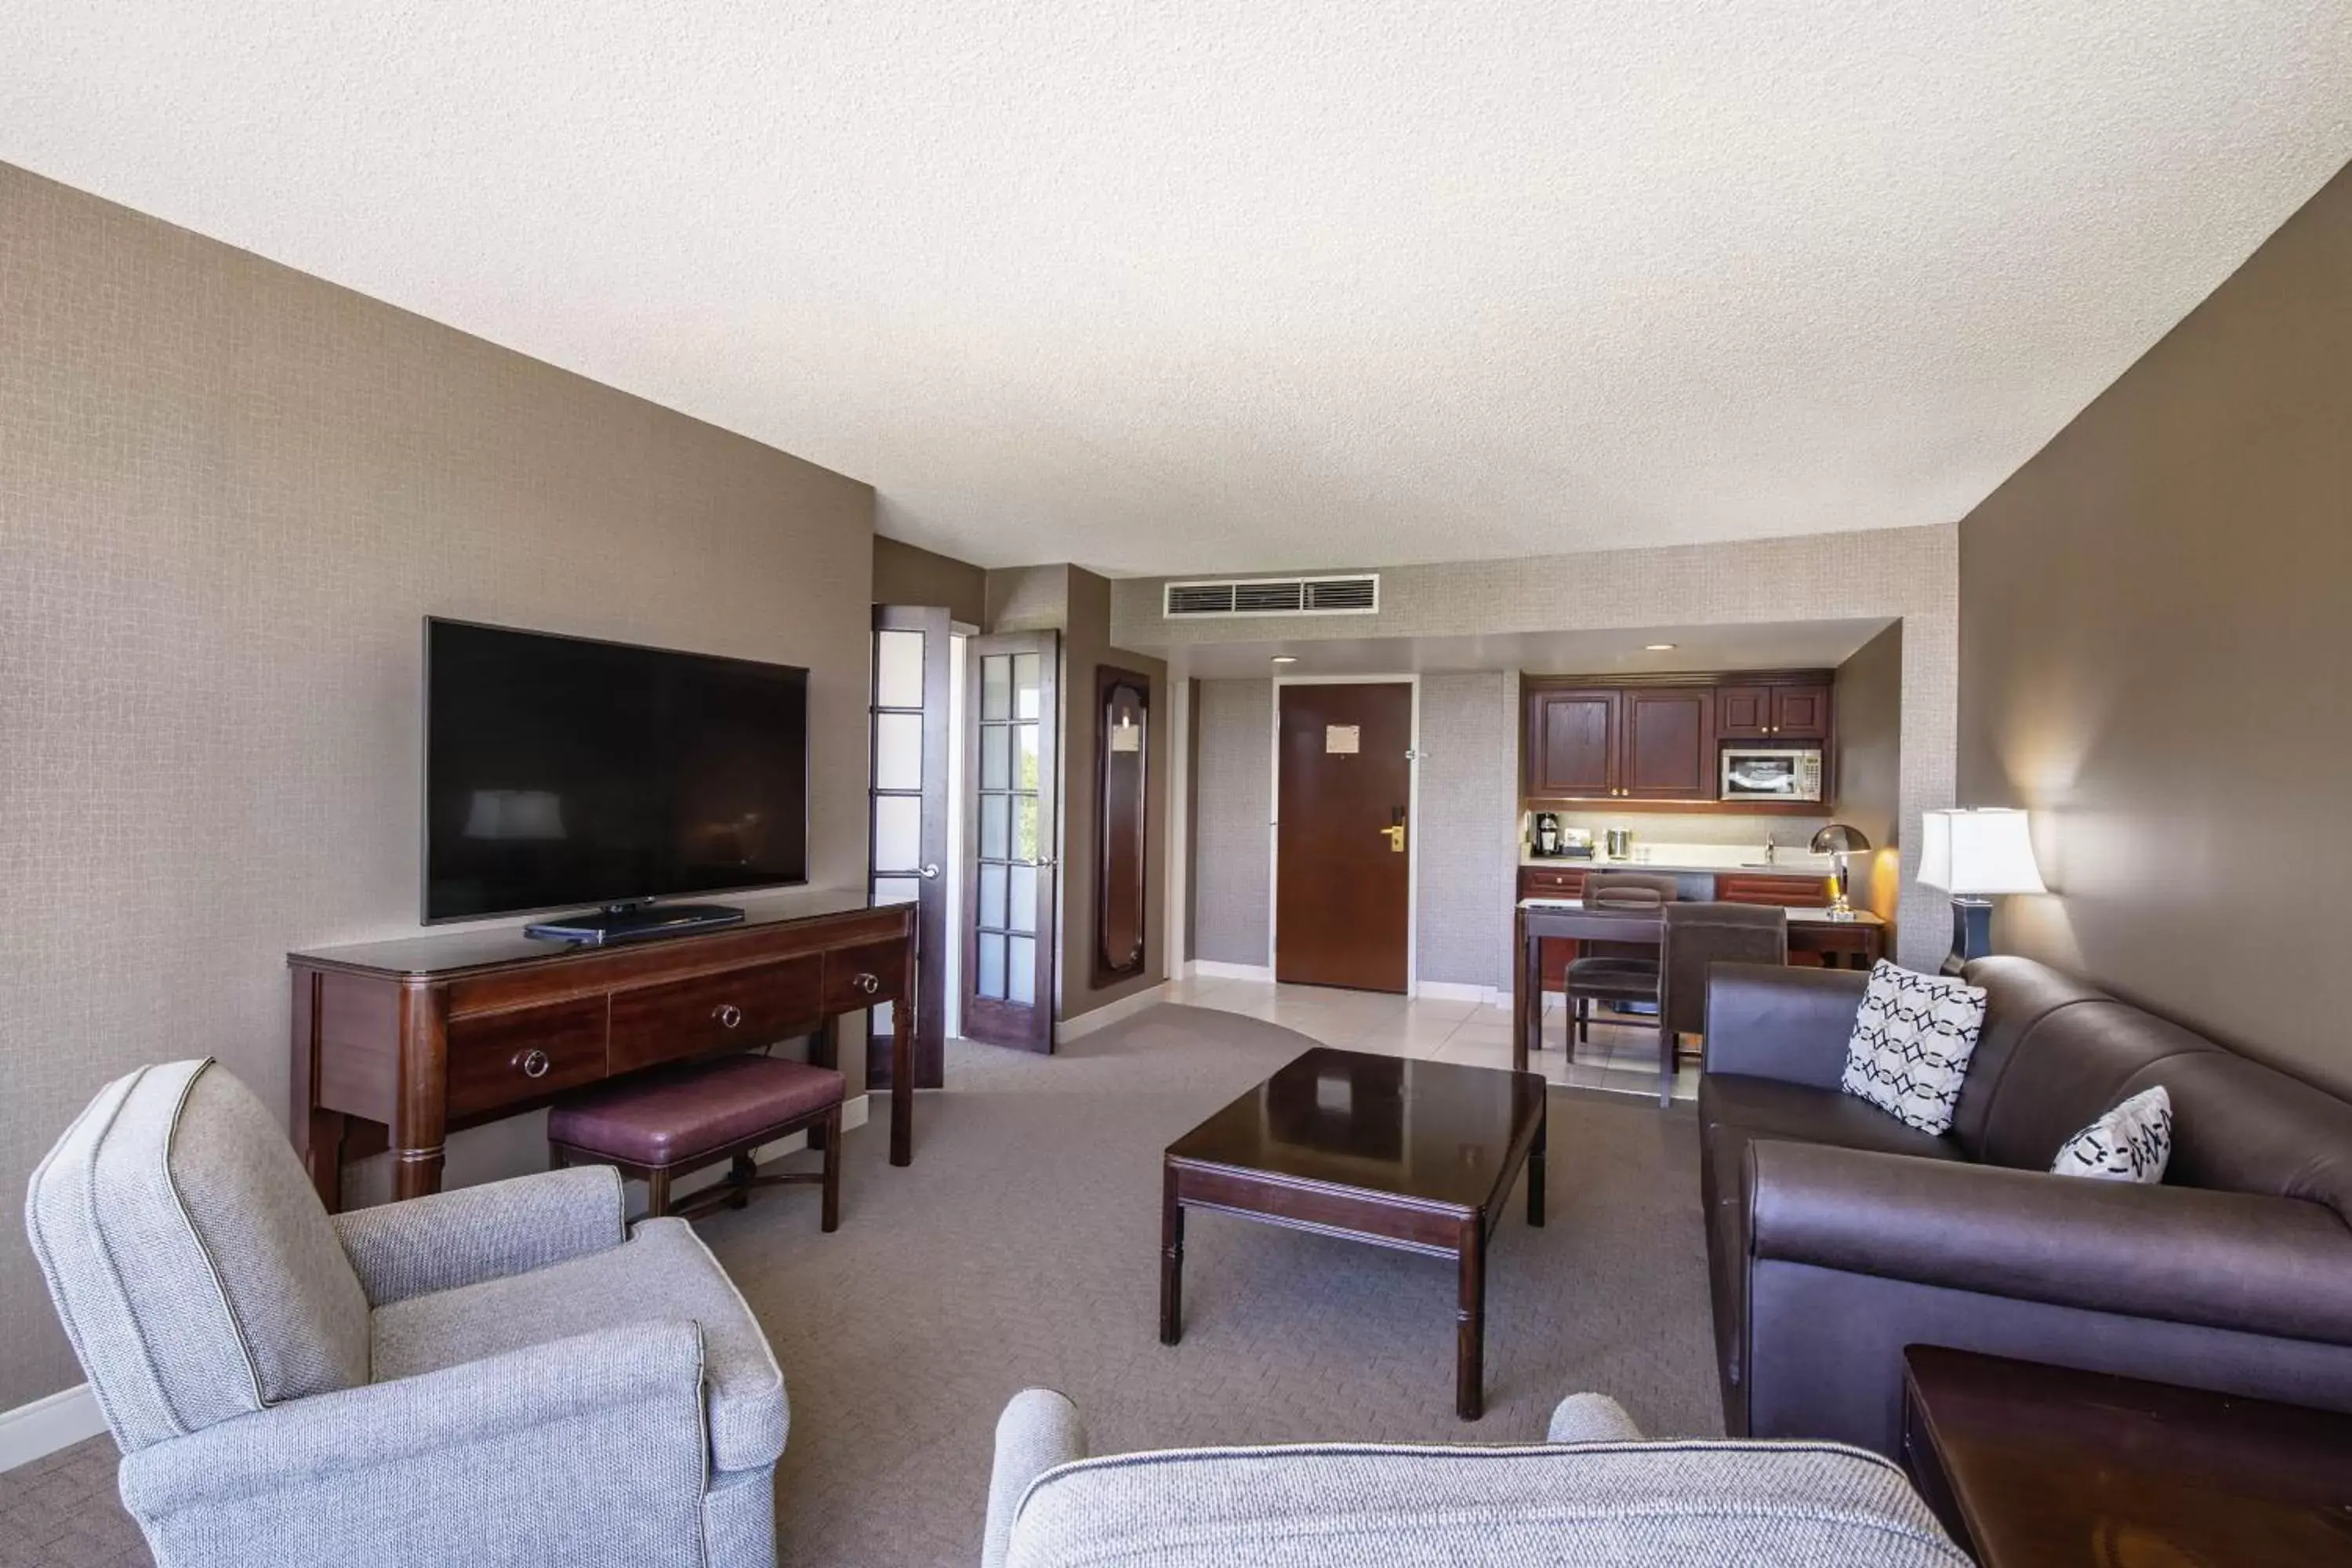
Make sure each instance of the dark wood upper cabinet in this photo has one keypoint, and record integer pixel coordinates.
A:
(1660, 739)
(1571, 743)
(1668, 747)
(1743, 713)
(1801, 712)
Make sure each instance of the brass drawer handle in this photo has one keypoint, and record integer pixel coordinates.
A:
(534, 1064)
(869, 984)
(728, 1013)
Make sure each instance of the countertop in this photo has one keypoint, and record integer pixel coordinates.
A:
(1796, 917)
(1690, 859)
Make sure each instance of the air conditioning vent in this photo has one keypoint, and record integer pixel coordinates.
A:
(1358, 595)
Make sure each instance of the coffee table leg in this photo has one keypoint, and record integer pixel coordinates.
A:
(1470, 1327)
(1536, 1165)
(1172, 1261)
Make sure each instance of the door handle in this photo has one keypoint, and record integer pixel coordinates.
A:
(931, 872)
(1396, 837)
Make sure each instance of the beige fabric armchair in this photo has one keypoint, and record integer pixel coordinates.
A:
(501, 1374)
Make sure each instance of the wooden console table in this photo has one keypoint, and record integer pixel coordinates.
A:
(398, 1044)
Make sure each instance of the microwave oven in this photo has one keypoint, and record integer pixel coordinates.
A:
(1771, 773)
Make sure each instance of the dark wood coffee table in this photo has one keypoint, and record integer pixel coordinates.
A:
(1417, 1155)
(2036, 1466)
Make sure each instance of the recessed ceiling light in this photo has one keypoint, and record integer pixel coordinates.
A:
(1658, 647)
(1286, 658)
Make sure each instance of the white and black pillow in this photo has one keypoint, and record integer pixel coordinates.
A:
(1912, 1041)
(2132, 1143)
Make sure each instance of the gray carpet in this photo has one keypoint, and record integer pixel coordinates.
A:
(1020, 1248)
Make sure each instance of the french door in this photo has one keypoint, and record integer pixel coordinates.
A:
(1009, 928)
(909, 826)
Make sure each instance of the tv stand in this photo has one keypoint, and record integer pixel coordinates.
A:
(632, 922)
(397, 1044)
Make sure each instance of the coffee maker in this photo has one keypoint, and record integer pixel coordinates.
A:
(1547, 833)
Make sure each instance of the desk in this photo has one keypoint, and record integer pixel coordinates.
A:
(398, 1044)
(1860, 942)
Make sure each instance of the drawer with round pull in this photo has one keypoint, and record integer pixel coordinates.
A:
(754, 1006)
(505, 1058)
(861, 976)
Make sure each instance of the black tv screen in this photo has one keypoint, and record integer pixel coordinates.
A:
(564, 771)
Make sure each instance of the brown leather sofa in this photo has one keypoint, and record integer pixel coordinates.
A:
(1837, 1235)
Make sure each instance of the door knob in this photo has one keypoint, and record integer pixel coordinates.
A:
(931, 871)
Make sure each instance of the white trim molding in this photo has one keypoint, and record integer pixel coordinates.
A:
(1109, 1012)
(1213, 969)
(37, 1430)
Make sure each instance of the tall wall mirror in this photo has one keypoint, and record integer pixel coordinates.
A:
(1122, 762)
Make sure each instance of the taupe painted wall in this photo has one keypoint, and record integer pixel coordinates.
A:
(1869, 764)
(908, 575)
(228, 492)
(2155, 627)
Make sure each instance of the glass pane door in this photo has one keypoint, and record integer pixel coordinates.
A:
(1015, 714)
(909, 829)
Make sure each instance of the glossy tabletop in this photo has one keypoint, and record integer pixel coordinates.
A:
(1434, 1132)
(2049, 1466)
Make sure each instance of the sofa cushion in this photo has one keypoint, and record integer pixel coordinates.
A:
(1342, 1506)
(2075, 1063)
(663, 1272)
(192, 1263)
(1913, 1036)
(2019, 994)
(2240, 1127)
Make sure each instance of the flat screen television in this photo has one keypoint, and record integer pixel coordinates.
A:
(564, 771)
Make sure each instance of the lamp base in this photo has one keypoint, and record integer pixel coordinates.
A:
(1971, 932)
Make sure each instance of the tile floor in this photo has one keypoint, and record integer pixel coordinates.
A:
(1623, 1058)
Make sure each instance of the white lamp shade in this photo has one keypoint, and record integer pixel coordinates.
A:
(1979, 853)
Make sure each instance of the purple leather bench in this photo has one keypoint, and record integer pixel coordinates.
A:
(665, 1123)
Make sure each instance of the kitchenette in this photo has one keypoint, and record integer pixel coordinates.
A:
(1729, 783)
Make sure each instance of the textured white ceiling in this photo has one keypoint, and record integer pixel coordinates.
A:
(1232, 287)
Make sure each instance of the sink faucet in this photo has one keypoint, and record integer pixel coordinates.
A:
(1772, 850)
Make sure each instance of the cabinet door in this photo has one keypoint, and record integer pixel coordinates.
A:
(1572, 744)
(1801, 712)
(1743, 713)
(1668, 751)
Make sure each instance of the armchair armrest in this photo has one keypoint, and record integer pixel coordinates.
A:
(473, 1233)
(2236, 1260)
(1765, 1021)
(1591, 1419)
(1038, 1430)
(580, 1431)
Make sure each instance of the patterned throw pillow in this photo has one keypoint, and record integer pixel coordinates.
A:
(1911, 1044)
(2133, 1143)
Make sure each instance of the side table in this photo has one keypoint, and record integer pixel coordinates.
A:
(2034, 1467)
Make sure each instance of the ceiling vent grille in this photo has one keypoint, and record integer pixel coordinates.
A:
(1356, 594)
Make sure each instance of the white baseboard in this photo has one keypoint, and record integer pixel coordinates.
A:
(33, 1431)
(1209, 969)
(1109, 1012)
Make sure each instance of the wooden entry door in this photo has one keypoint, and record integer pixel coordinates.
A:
(1010, 877)
(1343, 877)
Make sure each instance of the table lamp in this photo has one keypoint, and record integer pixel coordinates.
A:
(1838, 841)
(1974, 855)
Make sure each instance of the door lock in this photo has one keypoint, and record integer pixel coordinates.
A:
(1396, 837)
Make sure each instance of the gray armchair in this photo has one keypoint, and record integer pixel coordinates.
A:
(1593, 1496)
(501, 1374)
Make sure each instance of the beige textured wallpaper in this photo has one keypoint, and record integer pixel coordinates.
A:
(228, 493)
